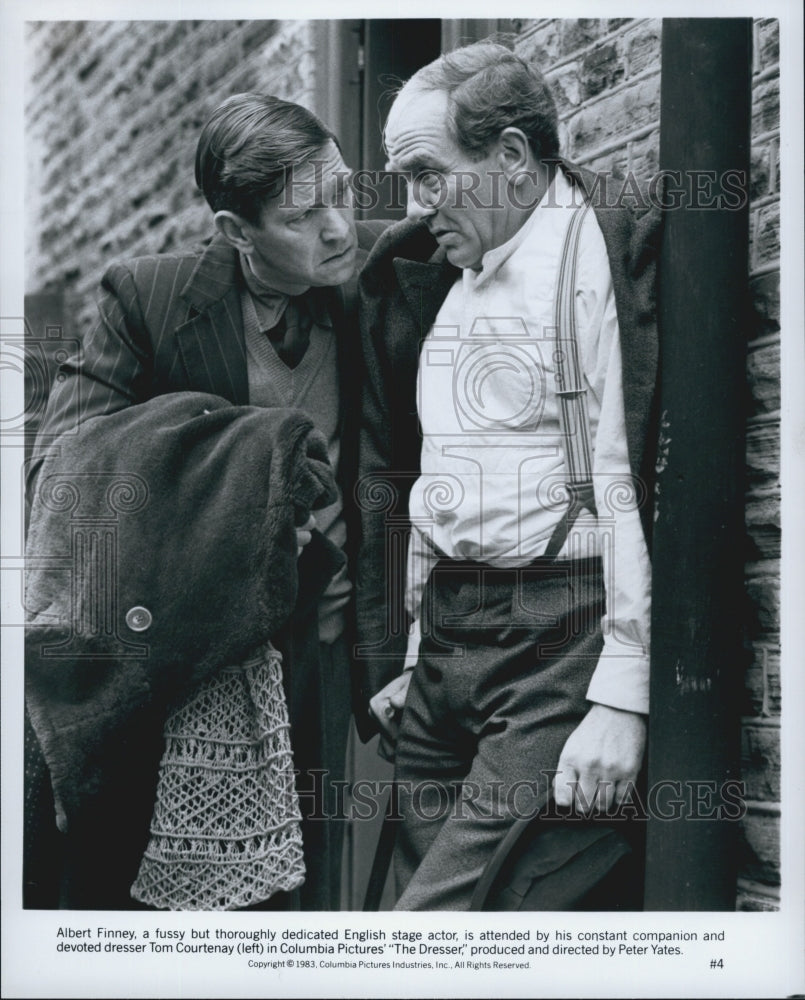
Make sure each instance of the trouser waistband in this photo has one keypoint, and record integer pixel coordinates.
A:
(538, 569)
(542, 566)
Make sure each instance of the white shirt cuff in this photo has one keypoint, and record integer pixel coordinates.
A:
(621, 682)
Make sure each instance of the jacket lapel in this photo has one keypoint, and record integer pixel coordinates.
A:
(211, 343)
(340, 304)
(425, 287)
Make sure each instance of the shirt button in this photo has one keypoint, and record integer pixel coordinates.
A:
(139, 619)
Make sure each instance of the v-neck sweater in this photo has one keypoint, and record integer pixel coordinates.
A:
(313, 387)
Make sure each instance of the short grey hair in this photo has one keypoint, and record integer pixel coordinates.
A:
(490, 88)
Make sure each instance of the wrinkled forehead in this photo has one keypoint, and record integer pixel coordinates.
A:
(417, 127)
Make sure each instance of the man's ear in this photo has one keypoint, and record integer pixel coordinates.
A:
(513, 152)
(235, 230)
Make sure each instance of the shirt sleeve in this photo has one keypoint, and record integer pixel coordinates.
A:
(621, 677)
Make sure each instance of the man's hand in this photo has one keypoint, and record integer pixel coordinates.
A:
(303, 534)
(603, 755)
(387, 705)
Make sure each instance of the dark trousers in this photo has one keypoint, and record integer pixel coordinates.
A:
(319, 709)
(505, 661)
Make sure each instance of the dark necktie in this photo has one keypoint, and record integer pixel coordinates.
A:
(291, 335)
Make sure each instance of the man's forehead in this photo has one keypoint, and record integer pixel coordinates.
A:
(322, 174)
(325, 163)
(416, 127)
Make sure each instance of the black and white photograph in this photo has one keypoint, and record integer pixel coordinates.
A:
(402, 439)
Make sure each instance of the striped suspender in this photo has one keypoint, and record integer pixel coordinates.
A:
(571, 394)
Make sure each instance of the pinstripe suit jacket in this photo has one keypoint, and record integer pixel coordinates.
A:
(172, 322)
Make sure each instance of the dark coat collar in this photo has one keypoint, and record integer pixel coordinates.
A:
(211, 342)
(425, 286)
(423, 271)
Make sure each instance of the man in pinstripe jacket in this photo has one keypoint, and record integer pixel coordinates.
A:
(262, 314)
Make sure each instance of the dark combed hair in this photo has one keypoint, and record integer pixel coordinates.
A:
(248, 147)
(490, 88)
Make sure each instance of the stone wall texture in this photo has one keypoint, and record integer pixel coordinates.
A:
(606, 76)
(113, 112)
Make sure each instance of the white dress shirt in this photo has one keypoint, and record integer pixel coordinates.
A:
(492, 466)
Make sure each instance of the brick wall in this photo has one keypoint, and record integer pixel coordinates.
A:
(113, 114)
(606, 75)
(761, 722)
(114, 110)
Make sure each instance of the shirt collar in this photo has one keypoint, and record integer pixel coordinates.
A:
(270, 305)
(494, 259)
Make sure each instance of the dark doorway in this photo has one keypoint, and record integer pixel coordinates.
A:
(393, 50)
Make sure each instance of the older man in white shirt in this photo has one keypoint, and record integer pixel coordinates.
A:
(526, 660)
